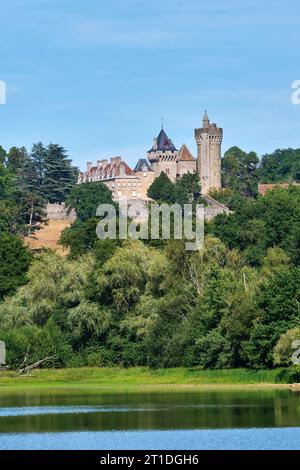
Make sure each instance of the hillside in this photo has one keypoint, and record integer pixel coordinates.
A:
(48, 236)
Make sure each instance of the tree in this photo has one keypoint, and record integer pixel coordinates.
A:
(283, 350)
(162, 189)
(187, 189)
(38, 157)
(240, 171)
(15, 259)
(278, 304)
(257, 225)
(59, 175)
(16, 159)
(281, 166)
(85, 198)
(3, 156)
(81, 236)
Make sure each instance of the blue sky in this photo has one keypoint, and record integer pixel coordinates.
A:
(97, 76)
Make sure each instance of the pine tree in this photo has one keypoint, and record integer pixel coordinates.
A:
(16, 158)
(59, 175)
(38, 157)
(27, 196)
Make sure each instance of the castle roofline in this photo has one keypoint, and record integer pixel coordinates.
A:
(162, 143)
(142, 165)
(185, 154)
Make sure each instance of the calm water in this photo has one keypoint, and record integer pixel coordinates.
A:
(268, 419)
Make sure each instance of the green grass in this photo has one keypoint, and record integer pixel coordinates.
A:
(136, 379)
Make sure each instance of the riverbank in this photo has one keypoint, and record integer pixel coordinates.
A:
(139, 379)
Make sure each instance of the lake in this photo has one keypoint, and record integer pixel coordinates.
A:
(222, 419)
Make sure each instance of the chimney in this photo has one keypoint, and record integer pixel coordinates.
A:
(122, 169)
(99, 164)
(118, 159)
(104, 162)
(155, 143)
(89, 165)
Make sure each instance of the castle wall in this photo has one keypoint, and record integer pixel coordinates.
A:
(184, 167)
(168, 167)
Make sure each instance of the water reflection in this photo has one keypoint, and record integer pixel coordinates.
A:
(84, 411)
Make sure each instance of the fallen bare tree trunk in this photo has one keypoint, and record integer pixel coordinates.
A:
(37, 364)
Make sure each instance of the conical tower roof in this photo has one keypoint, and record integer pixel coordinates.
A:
(163, 143)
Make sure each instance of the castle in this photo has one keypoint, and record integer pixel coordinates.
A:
(126, 183)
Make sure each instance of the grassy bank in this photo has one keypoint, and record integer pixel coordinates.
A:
(138, 379)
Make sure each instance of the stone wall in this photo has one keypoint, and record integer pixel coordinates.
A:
(214, 208)
(58, 212)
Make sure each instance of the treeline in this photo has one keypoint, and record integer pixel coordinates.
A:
(27, 182)
(242, 171)
(235, 303)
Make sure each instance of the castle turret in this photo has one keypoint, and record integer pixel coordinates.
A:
(209, 139)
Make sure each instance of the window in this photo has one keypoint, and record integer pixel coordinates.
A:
(133, 193)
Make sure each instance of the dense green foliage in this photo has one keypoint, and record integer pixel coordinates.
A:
(281, 166)
(157, 307)
(186, 190)
(259, 224)
(234, 303)
(27, 183)
(81, 236)
(240, 171)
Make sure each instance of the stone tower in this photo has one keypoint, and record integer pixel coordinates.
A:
(209, 139)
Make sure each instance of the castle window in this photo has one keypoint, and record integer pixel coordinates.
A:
(133, 193)
(129, 184)
(145, 173)
(167, 171)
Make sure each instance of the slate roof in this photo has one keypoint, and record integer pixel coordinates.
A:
(142, 165)
(163, 143)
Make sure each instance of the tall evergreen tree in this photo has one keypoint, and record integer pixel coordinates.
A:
(38, 157)
(59, 176)
(16, 159)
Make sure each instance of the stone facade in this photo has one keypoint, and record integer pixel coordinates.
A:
(164, 156)
(123, 182)
(129, 184)
(126, 183)
(209, 139)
